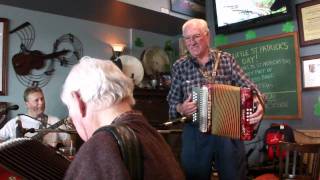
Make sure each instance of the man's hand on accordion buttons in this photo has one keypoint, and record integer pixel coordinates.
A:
(187, 108)
(257, 115)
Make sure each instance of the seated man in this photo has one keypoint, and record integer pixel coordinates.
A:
(34, 119)
(97, 95)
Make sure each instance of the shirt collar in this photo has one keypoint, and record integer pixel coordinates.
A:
(194, 61)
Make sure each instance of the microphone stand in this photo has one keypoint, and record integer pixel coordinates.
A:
(177, 121)
(4, 114)
(19, 129)
(49, 130)
(171, 123)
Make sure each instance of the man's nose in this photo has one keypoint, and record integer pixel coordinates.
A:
(41, 102)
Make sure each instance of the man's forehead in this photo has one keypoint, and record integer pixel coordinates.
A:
(190, 30)
(35, 95)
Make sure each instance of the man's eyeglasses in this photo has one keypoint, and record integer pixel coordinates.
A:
(194, 37)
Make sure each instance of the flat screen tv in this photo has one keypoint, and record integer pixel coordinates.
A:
(237, 15)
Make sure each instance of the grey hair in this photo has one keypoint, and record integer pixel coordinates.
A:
(99, 82)
(196, 22)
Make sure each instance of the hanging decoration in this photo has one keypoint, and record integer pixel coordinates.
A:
(288, 27)
(316, 108)
(220, 40)
(32, 67)
(168, 48)
(138, 42)
(24, 61)
(250, 34)
(73, 45)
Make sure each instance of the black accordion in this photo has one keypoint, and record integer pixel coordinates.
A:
(25, 158)
(223, 109)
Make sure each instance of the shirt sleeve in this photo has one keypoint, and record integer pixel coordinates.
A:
(8, 130)
(175, 95)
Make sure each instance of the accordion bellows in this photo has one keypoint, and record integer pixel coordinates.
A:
(26, 158)
(223, 109)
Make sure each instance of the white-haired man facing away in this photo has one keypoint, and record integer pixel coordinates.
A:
(98, 94)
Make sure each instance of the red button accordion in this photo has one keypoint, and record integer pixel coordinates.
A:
(223, 110)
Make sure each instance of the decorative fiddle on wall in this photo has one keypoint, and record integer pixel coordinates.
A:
(34, 68)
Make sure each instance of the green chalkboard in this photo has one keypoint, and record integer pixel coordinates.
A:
(273, 64)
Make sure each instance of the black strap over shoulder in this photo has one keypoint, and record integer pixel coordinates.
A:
(130, 149)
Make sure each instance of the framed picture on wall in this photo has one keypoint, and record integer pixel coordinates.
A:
(308, 14)
(4, 33)
(192, 8)
(3, 107)
(311, 71)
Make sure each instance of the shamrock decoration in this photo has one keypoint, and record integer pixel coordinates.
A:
(168, 45)
(288, 27)
(250, 35)
(220, 40)
(138, 42)
(316, 111)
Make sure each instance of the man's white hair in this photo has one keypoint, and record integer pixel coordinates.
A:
(196, 22)
(99, 82)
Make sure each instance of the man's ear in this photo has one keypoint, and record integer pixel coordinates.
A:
(81, 106)
(26, 103)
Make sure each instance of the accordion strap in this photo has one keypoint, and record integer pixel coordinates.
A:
(217, 55)
(210, 77)
(129, 146)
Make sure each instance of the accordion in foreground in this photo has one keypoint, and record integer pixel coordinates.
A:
(223, 109)
(24, 158)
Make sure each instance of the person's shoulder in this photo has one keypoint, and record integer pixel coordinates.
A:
(133, 117)
(182, 64)
(53, 119)
(25, 118)
(182, 60)
(100, 140)
(223, 54)
(12, 121)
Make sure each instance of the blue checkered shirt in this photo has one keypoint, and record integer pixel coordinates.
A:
(185, 74)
